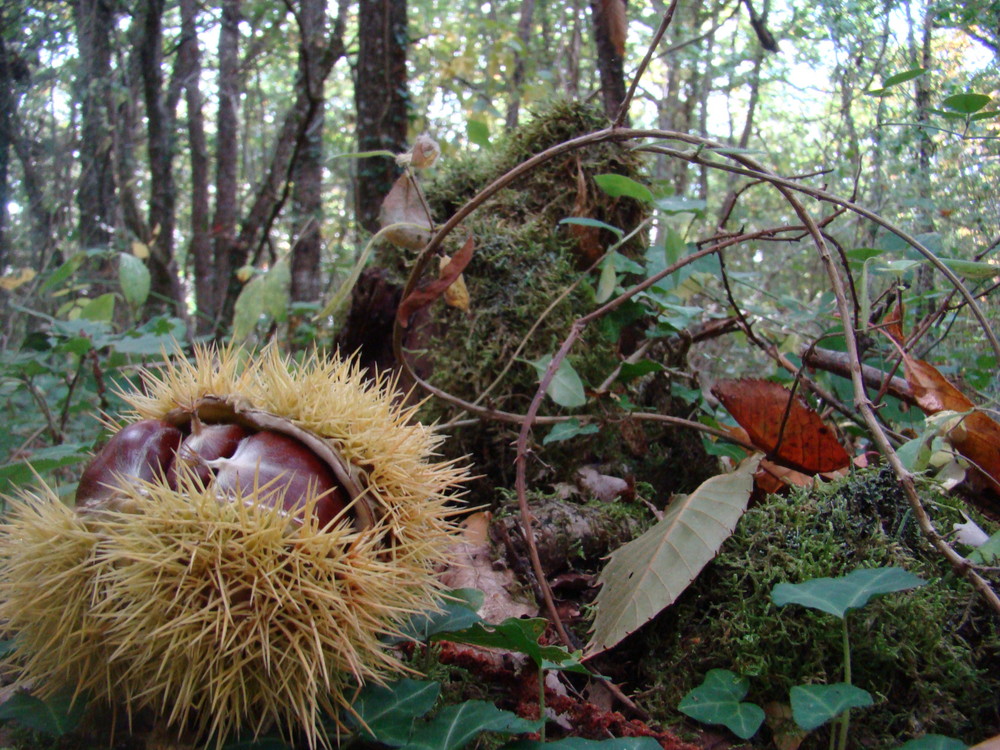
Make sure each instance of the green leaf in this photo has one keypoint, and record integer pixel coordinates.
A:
(56, 716)
(608, 281)
(972, 269)
(478, 133)
(583, 221)
(569, 429)
(934, 742)
(837, 596)
(618, 186)
(100, 308)
(631, 371)
(895, 80)
(566, 388)
(988, 553)
(719, 700)
(455, 726)
(62, 273)
(459, 611)
(389, 711)
(133, 277)
(814, 705)
(967, 103)
(579, 743)
(520, 635)
(988, 115)
(20, 473)
(679, 204)
(650, 572)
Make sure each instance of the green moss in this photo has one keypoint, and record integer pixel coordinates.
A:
(930, 657)
(524, 262)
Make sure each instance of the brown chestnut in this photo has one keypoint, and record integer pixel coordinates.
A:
(207, 442)
(287, 468)
(140, 451)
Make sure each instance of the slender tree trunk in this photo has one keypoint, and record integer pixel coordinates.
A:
(165, 288)
(381, 99)
(226, 160)
(96, 193)
(608, 19)
(7, 103)
(517, 79)
(200, 245)
(307, 197)
(925, 152)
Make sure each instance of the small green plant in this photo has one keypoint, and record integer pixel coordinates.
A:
(719, 699)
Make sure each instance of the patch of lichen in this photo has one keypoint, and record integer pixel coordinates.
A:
(525, 261)
(930, 656)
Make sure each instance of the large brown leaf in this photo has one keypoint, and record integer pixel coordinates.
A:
(759, 407)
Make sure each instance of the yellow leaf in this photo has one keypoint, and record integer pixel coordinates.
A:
(244, 273)
(12, 281)
(140, 250)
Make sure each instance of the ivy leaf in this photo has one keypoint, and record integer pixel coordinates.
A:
(814, 705)
(516, 634)
(650, 572)
(566, 388)
(837, 596)
(455, 726)
(569, 429)
(619, 186)
(459, 611)
(390, 711)
(56, 716)
(719, 700)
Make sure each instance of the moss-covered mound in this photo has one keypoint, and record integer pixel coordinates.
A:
(528, 282)
(930, 657)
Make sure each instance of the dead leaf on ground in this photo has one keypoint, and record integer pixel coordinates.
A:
(787, 735)
(472, 567)
(759, 406)
(405, 206)
(422, 297)
(991, 744)
(587, 238)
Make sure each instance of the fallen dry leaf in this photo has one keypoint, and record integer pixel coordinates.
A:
(424, 296)
(405, 206)
(759, 406)
(472, 567)
(991, 744)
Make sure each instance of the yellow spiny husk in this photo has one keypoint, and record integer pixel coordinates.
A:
(226, 616)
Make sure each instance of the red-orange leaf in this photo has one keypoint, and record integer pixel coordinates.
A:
(422, 297)
(759, 407)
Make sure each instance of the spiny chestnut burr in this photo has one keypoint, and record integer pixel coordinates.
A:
(222, 616)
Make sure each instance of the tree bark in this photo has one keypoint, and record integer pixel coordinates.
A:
(307, 196)
(165, 288)
(7, 103)
(605, 16)
(517, 79)
(200, 244)
(381, 100)
(96, 194)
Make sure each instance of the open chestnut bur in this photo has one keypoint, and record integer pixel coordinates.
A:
(238, 551)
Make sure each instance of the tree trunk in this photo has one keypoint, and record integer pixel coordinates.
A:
(165, 289)
(96, 194)
(381, 99)
(608, 24)
(226, 161)
(517, 79)
(307, 196)
(7, 103)
(200, 245)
